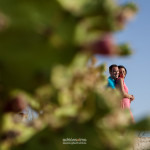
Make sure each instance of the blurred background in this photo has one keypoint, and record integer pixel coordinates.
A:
(136, 33)
(49, 91)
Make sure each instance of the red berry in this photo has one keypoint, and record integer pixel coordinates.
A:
(16, 104)
(104, 46)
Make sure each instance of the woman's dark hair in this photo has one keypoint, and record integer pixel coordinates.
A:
(123, 67)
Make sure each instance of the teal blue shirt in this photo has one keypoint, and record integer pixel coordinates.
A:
(111, 83)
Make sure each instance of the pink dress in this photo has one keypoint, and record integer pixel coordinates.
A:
(125, 103)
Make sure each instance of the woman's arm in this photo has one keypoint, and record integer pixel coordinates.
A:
(121, 88)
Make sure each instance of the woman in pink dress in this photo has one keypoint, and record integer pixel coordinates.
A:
(120, 84)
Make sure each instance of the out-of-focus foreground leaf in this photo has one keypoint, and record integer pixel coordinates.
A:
(47, 63)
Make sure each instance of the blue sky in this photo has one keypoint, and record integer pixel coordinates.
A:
(137, 34)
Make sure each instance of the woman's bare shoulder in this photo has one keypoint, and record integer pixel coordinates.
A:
(119, 80)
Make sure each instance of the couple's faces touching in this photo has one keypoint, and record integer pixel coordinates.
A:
(115, 73)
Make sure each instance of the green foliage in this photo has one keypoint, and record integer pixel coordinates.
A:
(45, 49)
(124, 49)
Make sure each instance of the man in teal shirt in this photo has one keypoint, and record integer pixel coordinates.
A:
(114, 73)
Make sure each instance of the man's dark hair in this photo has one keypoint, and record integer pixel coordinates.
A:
(110, 67)
(121, 66)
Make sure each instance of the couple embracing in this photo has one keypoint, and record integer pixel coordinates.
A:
(116, 80)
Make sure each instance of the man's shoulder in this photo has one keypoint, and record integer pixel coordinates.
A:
(111, 83)
(110, 79)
